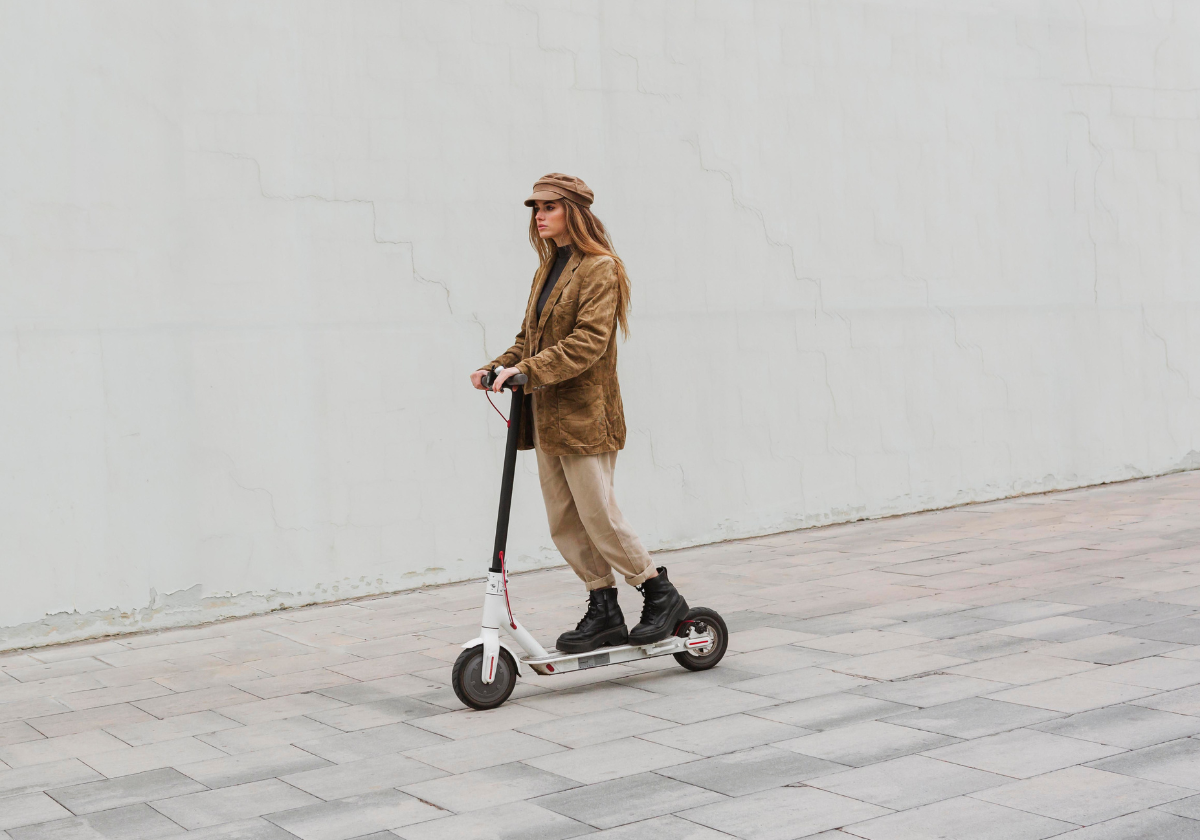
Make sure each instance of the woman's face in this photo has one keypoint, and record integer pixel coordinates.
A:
(551, 220)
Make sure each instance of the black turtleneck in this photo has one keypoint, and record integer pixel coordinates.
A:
(560, 262)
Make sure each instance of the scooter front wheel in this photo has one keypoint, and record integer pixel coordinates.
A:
(467, 679)
(707, 639)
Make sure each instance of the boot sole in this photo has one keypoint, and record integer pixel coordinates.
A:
(649, 639)
(609, 638)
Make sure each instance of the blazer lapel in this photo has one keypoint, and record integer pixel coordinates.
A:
(555, 293)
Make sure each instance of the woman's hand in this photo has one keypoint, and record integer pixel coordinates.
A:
(502, 376)
(477, 380)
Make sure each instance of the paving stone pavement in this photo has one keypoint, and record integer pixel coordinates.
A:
(1015, 670)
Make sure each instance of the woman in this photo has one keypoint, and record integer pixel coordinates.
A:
(567, 347)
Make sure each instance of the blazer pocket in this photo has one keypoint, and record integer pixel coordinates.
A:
(581, 411)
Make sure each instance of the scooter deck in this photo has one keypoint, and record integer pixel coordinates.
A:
(560, 663)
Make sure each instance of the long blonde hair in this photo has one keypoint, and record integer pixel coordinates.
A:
(589, 237)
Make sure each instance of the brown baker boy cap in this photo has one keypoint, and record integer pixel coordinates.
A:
(557, 186)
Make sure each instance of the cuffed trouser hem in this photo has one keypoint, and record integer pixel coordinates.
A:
(602, 583)
(638, 580)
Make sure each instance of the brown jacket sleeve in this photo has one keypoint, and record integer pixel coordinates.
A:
(512, 355)
(586, 343)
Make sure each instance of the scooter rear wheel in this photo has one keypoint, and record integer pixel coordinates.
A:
(702, 622)
(467, 679)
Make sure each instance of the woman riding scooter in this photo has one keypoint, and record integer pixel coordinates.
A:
(567, 347)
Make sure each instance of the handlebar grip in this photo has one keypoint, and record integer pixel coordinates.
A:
(489, 379)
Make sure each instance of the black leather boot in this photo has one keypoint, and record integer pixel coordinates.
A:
(662, 610)
(602, 624)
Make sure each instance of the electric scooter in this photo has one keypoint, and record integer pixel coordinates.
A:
(485, 673)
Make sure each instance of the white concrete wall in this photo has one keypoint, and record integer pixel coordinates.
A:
(886, 255)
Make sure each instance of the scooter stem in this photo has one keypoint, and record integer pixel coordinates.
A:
(506, 482)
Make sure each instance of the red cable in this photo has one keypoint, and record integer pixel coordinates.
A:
(498, 411)
(512, 622)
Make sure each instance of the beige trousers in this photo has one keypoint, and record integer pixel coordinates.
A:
(585, 523)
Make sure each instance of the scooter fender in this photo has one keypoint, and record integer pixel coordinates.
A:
(523, 670)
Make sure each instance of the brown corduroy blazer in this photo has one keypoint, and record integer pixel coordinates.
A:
(570, 357)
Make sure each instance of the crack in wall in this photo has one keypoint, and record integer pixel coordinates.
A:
(966, 346)
(482, 329)
(360, 201)
(537, 37)
(762, 220)
(674, 98)
(1167, 354)
(1096, 203)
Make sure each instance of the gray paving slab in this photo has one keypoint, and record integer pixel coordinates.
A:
(907, 782)
(377, 713)
(132, 822)
(706, 704)
(962, 818)
(596, 727)
(1160, 672)
(514, 821)
(107, 794)
(799, 685)
(252, 766)
(1189, 807)
(973, 717)
(1135, 612)
(1109, 649)
(665, 828)
(29, 808)
(180, 726)
(264, 736)
(179, 752)
(1174, 762)
(1184, 631)
(226, 805)
(1082, 795)
(40, 777)
(1023, 753)
(482, 751)
(255, 828)
(610, 760)
(724, 735)
(866, 743)
(1145, 825)
(931, 690)
(831, 711)
(780, 659)
(355, 816)
(981, 646)
(1184, 701)
(364, 776)
(782, 813)
(1073, 694)
(642, 797)
(489, 788)
(751, 771)
(367, 743)
(1124, 725)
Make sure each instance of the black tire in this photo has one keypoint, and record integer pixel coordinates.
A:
(703, 620)
(468, 682)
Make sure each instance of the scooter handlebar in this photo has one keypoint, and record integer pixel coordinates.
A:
(489, 379)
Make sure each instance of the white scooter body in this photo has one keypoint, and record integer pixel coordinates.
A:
(496, 613)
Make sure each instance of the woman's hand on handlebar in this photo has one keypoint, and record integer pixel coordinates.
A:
(502, 377)
(477, 380)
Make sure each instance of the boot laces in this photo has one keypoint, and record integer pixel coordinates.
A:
(647, 610)
(595, 610)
